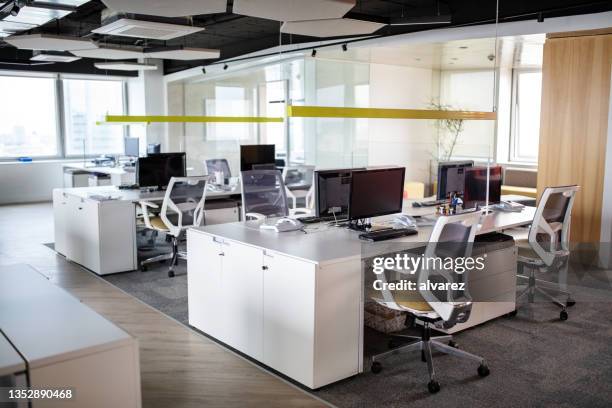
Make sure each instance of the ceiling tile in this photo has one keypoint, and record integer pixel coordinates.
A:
(185, 54)
(126, 27)
(12, 27)
(36, 16)
(165, 8)
(112, 53)
(293, 10)
(47, 42)
(331, 28)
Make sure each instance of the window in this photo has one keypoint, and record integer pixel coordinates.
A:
(272, 104)
(525, 129)
(29, 117)
(85, 102)
(228, 101)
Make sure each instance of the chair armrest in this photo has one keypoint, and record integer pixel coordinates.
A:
(254, 216)
(144, 207)
(300, 211)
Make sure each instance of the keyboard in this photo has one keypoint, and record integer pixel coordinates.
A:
(382, 235)
(429, 203)
(314, 220)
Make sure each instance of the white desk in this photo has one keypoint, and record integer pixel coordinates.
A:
(101, 235)
(292, 301)
(119, 175)
(67, 344)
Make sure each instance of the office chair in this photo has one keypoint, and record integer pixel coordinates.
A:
(264, 195)
(451, 236)
(183, 207)
(546, 248)
(302, 175)
(213, 165)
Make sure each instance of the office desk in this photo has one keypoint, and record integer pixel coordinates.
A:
(101, 234)
(66, 344)
(292, 301)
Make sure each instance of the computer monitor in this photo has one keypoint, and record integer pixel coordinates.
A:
(376, 192)
(131, 146)
(475, 190)
(256, 154)
(153, 148)
(156, 170)
(332, 192)
(451, 177)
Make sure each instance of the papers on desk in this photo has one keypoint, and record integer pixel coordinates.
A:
(102, 197)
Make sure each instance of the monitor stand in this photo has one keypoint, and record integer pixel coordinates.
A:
(362, 224)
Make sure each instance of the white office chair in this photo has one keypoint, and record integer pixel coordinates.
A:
(213, 165)
(302, 175)
(183, 207)
(456, 236)
(264, 195)
(546, 248)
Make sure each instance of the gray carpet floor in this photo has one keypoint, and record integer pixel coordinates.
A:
(535, 359)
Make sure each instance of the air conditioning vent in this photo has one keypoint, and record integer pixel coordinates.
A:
(146, 29)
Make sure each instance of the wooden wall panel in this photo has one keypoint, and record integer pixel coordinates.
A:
(573, 125)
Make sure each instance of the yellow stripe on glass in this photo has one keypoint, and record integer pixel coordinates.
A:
(126, 119)
(378, 113)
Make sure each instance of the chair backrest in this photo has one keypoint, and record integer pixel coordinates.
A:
(552, 221)
(213, 165)
(301, 174)
(451, 237)
(263, 192)
(183, 204)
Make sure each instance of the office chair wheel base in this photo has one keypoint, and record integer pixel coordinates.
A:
(433, 386)
(171, 274)
(453, 344)
(376, 367)
(483, 370)
(570, 302)
(563, 315)
(423, 359)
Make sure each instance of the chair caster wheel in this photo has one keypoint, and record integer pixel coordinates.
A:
(423, 359)
(563, 315)
(143, 268)
(171, 274)
(376, 367)
(483, 370)
(453, 344)
(433, 386)
(570, 302)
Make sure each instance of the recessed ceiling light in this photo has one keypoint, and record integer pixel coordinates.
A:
(125, 66)
(126, 27)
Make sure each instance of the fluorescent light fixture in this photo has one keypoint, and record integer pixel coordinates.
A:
(183, 53)
(293, 10)
(46, 42)
(146, 29)
(54, 58)
(112, 53)
(125, 66)
(428, 20)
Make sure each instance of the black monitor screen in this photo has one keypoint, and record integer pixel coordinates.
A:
(130, 146)
(451, 177)
(475, 191)
(376, 192)
(156, 170)
(256, 154)
(333, 190)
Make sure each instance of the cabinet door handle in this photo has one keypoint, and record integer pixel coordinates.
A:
(264, 267)
(80, 208)
(221, 253)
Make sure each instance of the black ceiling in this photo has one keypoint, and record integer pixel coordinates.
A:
(236, 35)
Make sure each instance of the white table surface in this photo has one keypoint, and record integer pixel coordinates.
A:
(10, 361)
(47, 324)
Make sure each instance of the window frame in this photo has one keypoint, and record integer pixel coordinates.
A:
(513, 141)
(60, 122)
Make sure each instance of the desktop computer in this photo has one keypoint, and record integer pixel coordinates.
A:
(262, 156)
(475, 190)
(332, 192)
(156, 170)
(451, 177)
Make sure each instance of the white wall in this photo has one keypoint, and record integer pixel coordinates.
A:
(29, 182)
(409, 143)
